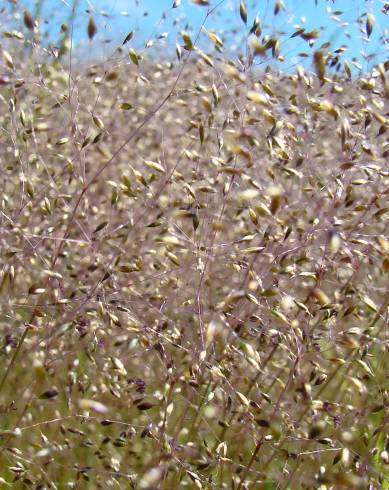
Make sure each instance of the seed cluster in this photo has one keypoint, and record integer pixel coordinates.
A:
(194, 264)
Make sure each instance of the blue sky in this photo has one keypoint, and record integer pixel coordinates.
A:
(115, 18)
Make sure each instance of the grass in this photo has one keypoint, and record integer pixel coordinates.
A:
(194, 267)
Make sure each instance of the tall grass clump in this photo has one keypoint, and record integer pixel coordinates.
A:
(194, 250)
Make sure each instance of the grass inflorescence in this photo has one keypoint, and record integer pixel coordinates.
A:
(194, 261)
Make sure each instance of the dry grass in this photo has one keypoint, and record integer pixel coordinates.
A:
(194, 270)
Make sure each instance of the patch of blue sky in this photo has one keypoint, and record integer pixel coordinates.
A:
(340, 22)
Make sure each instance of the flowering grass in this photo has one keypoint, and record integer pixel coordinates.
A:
(194, 266)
